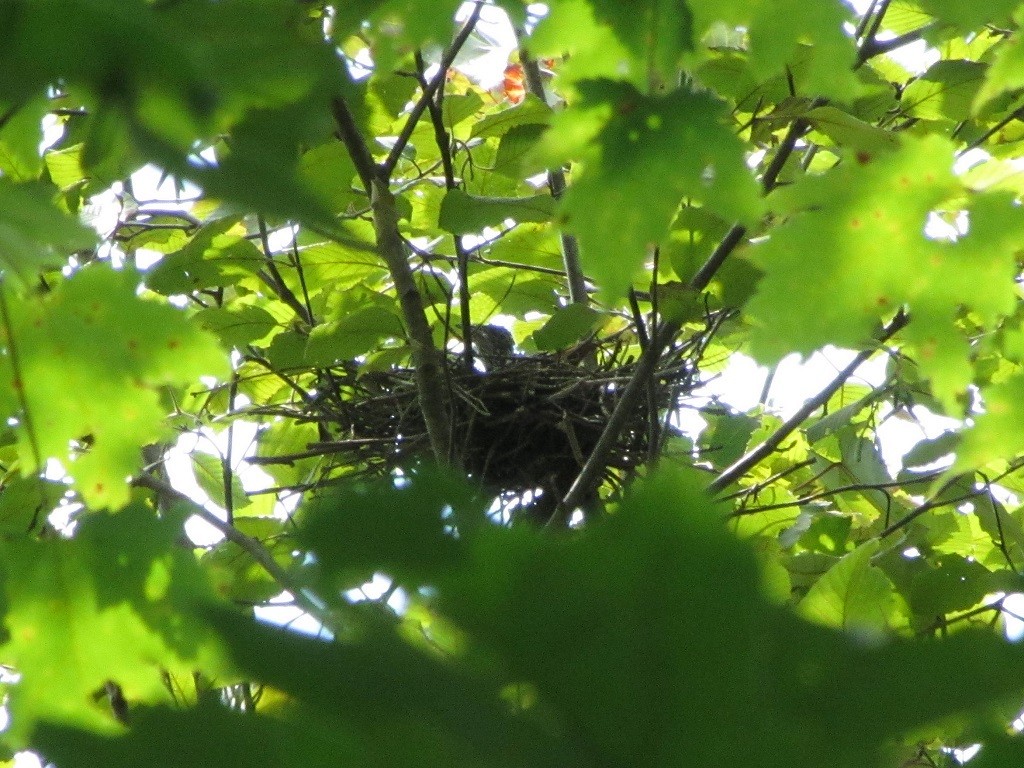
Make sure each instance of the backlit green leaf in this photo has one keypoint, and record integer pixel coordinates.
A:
(626, 197)
(115, 352)
(464, 214)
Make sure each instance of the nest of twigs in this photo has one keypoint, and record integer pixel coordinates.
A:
(522, 427)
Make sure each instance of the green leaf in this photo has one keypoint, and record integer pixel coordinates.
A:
(209, 473)
(532, 111)
(970, 15)
(114, 352)
(34, 234)
(778, 31)
(566, 326)
(847, 131)
(218, 255)
(819, 288)
(855, 595)
(237, 325)
(353, 335)
(996, 433)
(656, 32)
(627, 195)
(945, 91)
(515, 148)
(103, 606)
(26, 502)
(463, 214)
(1006, 72)
(208, 734)
(404, 530)
(233, 571)
(20, 135)
(398, 26)
(328, 171)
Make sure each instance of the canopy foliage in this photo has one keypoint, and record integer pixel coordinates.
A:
(461, 317)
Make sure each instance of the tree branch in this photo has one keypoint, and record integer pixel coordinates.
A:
(753, 457)
(354, 142)
(388, 166)
(427, 360)
(253, 547)
(1017, 114)
(575, 279)
(872, 47)
(593, 468)
(444, 146)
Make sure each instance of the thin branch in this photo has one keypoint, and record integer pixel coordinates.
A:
(867, 18)
(444, 146)
(575, 279)
(746, 511)
(354, 142)
(227, 476)
(873, 20)
(769, 180)
(926, 507)
(275, 281)
(253, 547)
(934, 503)
(872, 47)
(1017, 114)
(753, 457)
(388, 166)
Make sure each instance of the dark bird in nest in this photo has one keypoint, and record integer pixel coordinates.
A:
(493, 345)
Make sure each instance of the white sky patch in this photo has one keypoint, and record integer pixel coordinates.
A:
(1013, 617)
(292, 617)
(486, 53)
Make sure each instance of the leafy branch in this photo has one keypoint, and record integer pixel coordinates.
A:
(591, 473)
(756, 455)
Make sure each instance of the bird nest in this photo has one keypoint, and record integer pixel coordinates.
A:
(522, 427)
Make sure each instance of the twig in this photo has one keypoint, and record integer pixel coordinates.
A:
(934, 503)
(753, 457)
(388, 166)
(872, 21)
(1017, 114)
(443, 141)
(868, 17)
(348, 132)
(253, 547)
(273, 279)
(872, 47)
